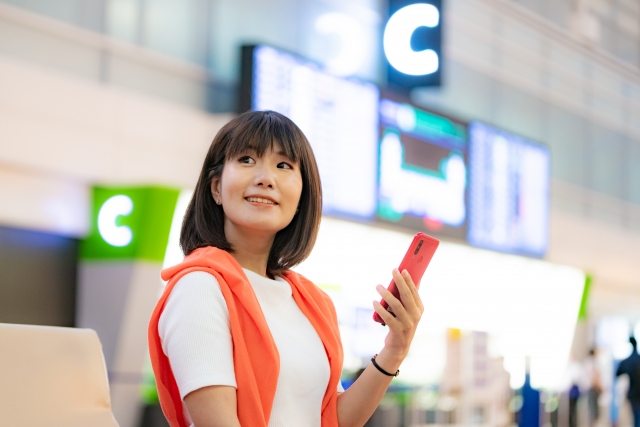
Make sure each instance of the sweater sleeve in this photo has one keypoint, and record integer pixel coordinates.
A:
(195, 334)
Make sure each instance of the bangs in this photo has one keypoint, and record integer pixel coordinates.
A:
(262, 133)
(256, 132)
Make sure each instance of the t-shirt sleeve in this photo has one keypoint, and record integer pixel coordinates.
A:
(195, 334)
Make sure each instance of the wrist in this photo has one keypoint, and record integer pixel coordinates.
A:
(389, 360)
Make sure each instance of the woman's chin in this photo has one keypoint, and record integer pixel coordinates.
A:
(262, 227)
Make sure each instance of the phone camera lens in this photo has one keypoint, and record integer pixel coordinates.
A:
(419, 246)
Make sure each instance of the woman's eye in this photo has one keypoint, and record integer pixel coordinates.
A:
(246, 159)
(284, 165)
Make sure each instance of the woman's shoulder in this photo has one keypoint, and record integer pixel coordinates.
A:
(307, 284)
(198, 277)
(194, 285)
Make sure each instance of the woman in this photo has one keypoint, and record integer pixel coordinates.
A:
(237, 338)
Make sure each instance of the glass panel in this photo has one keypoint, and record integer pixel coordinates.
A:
(633, 172)
(32, 45)
(558, 11)
(569, 85)
(632, 6)
(519, 112)
(522, 66)
(567, 59)
(634, 92)
(608, 168)
(627, 48)
(634, 116)
(466, 93)
(84, 13)
(607, 36)
(568, 139)
(536, 6)
(603, 8)
(473, 12)
(469, 43)
(608, 103)
(607, 79)
(628, 22)
(231, 26)
(123, 20)
(521, 36)
(177, 28)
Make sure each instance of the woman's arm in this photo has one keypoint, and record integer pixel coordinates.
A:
(358, 402)
(213, 406)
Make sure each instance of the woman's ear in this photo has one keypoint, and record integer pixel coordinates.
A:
(215, 190)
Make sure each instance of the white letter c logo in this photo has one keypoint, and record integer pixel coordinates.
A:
(397, 39)
(115, 235)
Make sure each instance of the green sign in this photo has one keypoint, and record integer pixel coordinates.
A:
(584, 302)
(129, 223)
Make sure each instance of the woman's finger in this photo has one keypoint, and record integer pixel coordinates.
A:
(406, 296)
(414, 289)
(394, 303)
(387, 317)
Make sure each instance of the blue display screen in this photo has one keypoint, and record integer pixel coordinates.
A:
(338, 115)
(422, 170)
(508, 192)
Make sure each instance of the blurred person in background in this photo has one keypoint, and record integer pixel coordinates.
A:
(574, 396)
(575, 377)
(593, 385)
(631, 367)
(237, 338)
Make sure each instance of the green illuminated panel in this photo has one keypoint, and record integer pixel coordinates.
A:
(129, 223)
(432, 125)
(584, 302)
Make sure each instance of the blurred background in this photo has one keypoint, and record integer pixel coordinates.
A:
(509, 129)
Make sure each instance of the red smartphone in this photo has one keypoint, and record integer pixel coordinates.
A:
(415, 261)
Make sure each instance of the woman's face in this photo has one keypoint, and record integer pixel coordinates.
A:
(258, 194)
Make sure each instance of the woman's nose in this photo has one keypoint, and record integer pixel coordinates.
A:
(265, 177)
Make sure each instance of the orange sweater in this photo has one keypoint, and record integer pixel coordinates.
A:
(255, 356)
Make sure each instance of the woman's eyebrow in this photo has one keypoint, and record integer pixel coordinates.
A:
(286, 156)
(249, 149)
(283, 153)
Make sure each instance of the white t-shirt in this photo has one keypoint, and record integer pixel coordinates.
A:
(195, 335)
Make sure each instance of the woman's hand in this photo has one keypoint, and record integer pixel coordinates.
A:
(358, 402)
(408, 311)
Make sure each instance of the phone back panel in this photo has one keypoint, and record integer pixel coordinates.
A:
(415, 261)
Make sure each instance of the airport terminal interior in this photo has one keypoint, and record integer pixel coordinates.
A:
(507, 129)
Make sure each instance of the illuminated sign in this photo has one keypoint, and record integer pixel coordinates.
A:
(412, 43)
(509, 192)
(129, 223)
(423, 175)
(115, 235)
(338, 115)
(353, 45)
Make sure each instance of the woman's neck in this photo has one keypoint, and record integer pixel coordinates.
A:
(250, 248)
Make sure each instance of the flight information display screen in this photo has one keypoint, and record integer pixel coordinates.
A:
(422, 170)
(338, 115)
(509, 192)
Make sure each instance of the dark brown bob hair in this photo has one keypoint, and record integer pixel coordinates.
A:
(203, 223)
